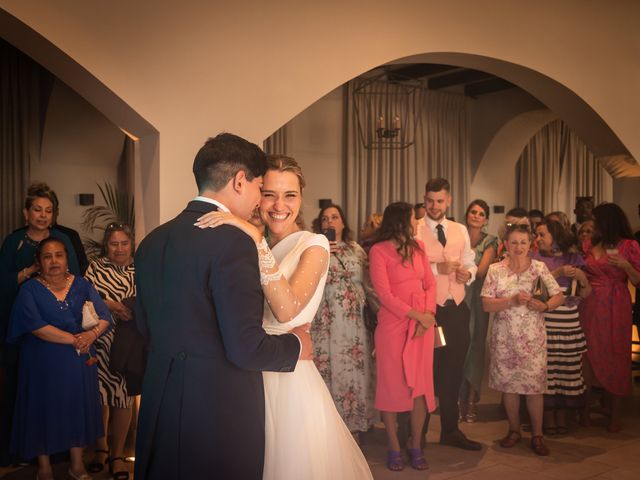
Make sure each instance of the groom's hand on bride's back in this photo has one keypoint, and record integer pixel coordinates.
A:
(306, 345)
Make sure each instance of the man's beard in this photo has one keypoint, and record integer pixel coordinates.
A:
(436, 219)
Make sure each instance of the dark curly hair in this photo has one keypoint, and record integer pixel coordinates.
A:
(612, 225)
(396, 225)
(561, 237)
(317, 223)
(44, 243)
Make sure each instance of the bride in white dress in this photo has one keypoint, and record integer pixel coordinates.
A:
(305, 437)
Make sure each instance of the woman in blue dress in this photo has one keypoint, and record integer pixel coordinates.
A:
(17, 265)
(57, 402)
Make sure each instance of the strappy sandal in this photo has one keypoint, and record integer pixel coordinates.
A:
(511, 439)
(418, 462)
(118, 475)
(538, 446)
(97, 467)
(395, 463)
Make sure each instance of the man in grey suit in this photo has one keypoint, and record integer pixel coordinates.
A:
(200, 303)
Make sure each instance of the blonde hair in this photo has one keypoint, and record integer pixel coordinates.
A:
(282, 163)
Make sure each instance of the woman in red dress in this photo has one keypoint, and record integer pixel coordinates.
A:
(612, 259)
(402, 278)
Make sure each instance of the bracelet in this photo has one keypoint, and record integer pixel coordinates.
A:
(95, 332)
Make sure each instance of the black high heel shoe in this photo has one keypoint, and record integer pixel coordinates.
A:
(97, 467)
(118, 475)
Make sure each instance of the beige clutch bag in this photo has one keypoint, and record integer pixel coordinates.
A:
(89, 316)
(439, 340)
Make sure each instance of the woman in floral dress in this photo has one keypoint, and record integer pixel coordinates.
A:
(518, 364)
(613, 259)
(341, 340)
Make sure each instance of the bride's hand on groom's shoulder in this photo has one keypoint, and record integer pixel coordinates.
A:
(302, 332)
(215, 219)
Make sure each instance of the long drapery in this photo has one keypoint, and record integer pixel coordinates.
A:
(377, 176)
(555, 167)
(277, 142)
(24, 92)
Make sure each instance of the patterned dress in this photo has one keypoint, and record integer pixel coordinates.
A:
(478, 322)
(605, 316)
(565, 342)
(114, 283)
(341, 341)
(518, 341)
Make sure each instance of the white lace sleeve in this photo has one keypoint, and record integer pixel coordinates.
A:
(286, 298)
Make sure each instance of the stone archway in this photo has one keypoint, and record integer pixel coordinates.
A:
(146, 136)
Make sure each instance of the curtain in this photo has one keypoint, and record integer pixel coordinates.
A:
(276, 143)
(24, 93)
(555, 167)
(437, 124)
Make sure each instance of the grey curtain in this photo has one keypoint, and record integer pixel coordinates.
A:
(555, 167)
(376, 176)
(24, 93)
(276, 143)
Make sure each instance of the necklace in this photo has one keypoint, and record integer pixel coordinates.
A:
(65, 291)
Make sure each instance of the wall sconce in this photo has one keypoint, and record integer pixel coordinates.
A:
(85, 199)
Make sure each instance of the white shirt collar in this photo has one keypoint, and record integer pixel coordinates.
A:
(200, 198)
(432, 224)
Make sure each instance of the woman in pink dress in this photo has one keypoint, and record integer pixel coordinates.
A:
(613, 259)
(402, 278)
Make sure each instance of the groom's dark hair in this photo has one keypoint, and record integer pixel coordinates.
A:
(220, 158)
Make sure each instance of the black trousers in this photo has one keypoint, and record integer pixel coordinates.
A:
(448, 362)
(448, 369)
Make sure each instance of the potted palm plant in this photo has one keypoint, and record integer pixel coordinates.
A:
(118, 207)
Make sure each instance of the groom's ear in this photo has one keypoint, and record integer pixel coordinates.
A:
(238, 181)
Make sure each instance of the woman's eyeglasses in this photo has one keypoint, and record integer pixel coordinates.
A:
(522, 227)
(115, 226)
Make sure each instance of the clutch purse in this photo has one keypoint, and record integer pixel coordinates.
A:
(89, 316)
(438, 337)
(540, 291)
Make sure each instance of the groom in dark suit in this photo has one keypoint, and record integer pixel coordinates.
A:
(200, 303)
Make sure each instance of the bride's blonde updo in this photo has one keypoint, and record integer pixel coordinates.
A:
(282, 163)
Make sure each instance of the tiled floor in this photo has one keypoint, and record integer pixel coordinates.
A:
(584, 453)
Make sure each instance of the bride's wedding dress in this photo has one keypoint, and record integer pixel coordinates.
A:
(305, 437)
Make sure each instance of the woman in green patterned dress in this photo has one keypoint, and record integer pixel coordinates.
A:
(485, 247)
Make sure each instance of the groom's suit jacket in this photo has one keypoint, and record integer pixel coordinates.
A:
(200, 304)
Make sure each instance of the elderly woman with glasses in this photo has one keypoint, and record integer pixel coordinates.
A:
(518, 364)
(113, 277)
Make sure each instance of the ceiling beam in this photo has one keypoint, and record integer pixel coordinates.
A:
(488, 86)
(457, 78)
(418, 70)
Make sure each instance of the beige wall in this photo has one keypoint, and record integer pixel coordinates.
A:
(196, 68)
(80, 148)
(314, 139)
(626, 194)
